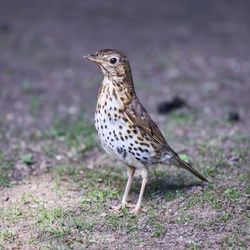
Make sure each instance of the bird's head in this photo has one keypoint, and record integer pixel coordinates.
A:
(112, 62)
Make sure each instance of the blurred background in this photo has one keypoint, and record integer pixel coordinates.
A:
(198, 50)
(191, 69)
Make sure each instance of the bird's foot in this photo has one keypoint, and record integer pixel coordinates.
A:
(122, 206)
(135, 211)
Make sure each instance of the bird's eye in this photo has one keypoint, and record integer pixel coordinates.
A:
(113, 60)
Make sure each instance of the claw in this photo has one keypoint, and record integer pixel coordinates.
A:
(134, 211)
(129, 205)
(121, 206)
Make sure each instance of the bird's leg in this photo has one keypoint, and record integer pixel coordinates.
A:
(144, 175)
(131, 172)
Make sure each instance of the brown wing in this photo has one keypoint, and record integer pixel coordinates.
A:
(138, 116)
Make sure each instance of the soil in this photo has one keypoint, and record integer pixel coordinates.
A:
(197, 50)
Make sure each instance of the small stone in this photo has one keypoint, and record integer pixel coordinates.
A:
(170, 212)
(233, 116)
(234, 158)
(58, 157)
(168, 106)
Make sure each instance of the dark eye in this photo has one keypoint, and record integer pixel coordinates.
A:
(113, 60)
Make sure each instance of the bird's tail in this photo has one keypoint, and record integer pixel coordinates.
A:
(180, 163)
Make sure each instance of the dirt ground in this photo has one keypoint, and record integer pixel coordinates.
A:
(56, 183)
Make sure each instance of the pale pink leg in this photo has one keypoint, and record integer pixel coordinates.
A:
(131, 172)
(144, 182)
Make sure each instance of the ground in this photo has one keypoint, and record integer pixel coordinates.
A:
(56, 183)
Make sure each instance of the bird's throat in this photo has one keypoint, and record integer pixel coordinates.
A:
(118, 89)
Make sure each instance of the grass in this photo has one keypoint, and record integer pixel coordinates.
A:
(61, 224)
(6, 236)
(73, 208)
(35, 105)
(52, 222)
(6, 166)
(87, 220)
(27, 159)
(12, 214)
(217, 197)
(232, 194)
(70, 140)
(79, 134)
(232, 242)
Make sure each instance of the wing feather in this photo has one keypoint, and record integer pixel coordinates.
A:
(138, 117)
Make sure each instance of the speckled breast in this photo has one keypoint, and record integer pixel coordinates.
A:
(118, 137)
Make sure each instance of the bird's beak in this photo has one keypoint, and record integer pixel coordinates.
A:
(92, 58)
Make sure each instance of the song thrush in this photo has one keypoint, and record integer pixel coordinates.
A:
(124, 127)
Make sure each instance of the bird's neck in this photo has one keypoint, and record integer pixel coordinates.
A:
(117, 88)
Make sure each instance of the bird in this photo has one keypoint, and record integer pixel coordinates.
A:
(124, 127)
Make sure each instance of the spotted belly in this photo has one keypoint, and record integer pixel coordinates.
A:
(121, 140)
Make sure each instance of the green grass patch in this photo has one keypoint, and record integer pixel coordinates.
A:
(248, 190)
(178, 117)
(78, 134)
(27, 159)
(52, 222)
(99, 196)
(6, 235)
(11, 214)
(6, 166)
(210, 170)
(92, 179)
(233, 242)
(232, 194)
(207, 197)
(35, 105)
(172, 195)
(159, 230)
(184, 157)
(226, 216)
(122, 221)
